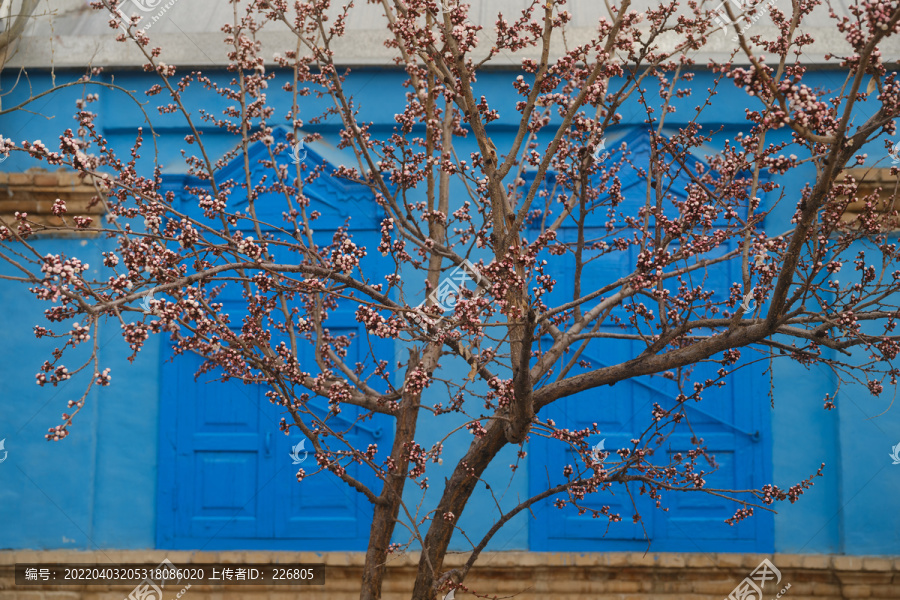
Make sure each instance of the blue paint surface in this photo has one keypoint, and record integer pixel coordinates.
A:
(729, 420)
(96, 488)
(102, 487)
(227, 478)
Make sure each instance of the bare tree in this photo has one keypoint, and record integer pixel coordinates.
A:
(13, 19)
(520, 329)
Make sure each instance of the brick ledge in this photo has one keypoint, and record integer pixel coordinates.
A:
(665, 560)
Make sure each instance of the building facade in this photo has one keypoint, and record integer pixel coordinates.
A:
(163, 464)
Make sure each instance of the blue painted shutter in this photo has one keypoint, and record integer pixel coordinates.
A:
(728, 419)
(323, 507)
(226, 477)
(222, 467)
(234, 482)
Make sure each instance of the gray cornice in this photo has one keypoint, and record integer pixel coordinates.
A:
(69, 34)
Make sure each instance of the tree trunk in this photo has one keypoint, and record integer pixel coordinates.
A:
(457, 492)
(385, 517)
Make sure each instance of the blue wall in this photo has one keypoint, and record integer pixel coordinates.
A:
(97, 489)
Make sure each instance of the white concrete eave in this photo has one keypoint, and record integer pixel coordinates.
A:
(70, 34)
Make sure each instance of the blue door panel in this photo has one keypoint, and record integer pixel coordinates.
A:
(236, 481)
(219, 465)
(586, 527)
(224, 501)
(328, 509)
(729, 419)
(693, 521)
(227, 479)
(323, 507)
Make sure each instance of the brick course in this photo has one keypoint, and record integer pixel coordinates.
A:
(35, 191)
(869, 180)
(527, 575)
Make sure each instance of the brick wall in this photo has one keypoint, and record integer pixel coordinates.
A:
(34, 192)
(871, 180)
(528, 575)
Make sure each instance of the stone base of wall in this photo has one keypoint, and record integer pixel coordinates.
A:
(525, 575)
